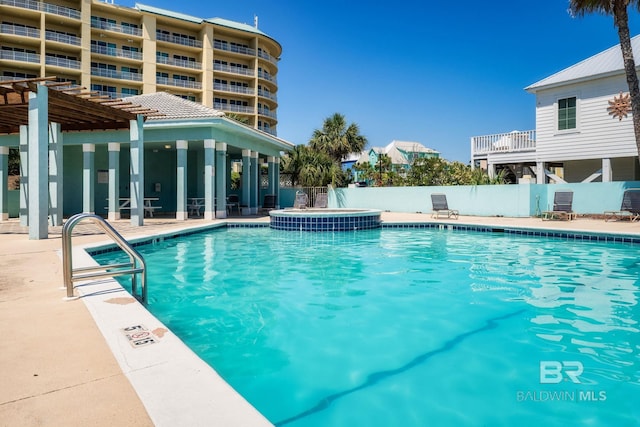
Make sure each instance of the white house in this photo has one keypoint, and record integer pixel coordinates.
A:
(584, 128)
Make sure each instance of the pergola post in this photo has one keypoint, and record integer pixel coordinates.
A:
(88, 181)
(136, 136)
(114, 181)
(274, 177)
(38, 205)
(221, 179)
(209, 179)
(181, 180)
(55, 174)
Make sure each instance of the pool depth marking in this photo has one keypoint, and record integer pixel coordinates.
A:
(376, 377)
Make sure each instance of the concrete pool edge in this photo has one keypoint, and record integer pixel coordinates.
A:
(175, 386)
(143, 373)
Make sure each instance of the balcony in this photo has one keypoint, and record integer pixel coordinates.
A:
(266, 76)
(268, 95)
(113, 74)
(516, 141)
(62, 38)
(178, 83)
(235, 89)
(123, 29)
(234, 70)
(233, 108)
(43, 7)
(234, 48)
(269, 130)
(267, 113)
(20, 56)
(185, 41)
(19, 30)
(62, 62)
(120, 53)
(264, 55)
(178, 62)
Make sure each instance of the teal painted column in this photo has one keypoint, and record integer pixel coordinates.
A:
(246, 182)
(114, 182)
(221, 179)
(55, 174)
(274, 177)
(136, 186)
(4, 182)
(209, 178)
(255, 182)
(88, 182)
(181, 180)
(24, 175)
(38, 203)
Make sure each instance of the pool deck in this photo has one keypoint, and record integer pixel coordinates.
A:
(56, 365)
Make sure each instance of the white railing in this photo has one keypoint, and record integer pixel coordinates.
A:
(113, 74)
(234, 70)
(234, 48)
(264, 55)
(19, 30)
(178, 62)
(62, 38)
(120, 53)
(233, 108)
(269, 95)
(178, 82)
(20, 56)
(183, 40)
(233, 88)
(504, 142)
(110, 26)
(62, 62)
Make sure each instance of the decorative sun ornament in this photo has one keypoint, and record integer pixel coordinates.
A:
(620, 107)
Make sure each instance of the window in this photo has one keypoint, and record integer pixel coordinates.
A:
(567, 113)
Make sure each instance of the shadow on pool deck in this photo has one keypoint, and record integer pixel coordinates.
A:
(55, 365)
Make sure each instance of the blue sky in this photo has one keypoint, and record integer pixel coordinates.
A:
(433, 72)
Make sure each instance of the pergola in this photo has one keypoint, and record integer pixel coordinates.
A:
(38, 111)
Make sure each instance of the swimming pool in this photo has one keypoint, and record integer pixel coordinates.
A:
(409, 327)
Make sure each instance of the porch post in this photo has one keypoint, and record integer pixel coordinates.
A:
(607, 172)
(114, 181)
(24, 175)
(181, 179)
(491, 170)
(274, 177)
(209, 179)
(541, 176)
(221, 179)
(246, 182)
(136, 187)
(55, 174)
(255, 181)
(88, 173)
(38, 203)
(4, 182)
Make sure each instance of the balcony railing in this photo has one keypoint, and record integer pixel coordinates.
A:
(178, 62)
(234, 89)
(19, 30)
(113, 74)
(269, 95)
(504, 142)
(266, 76)
(120, 53)
(269, 130)
(62, 38)
(20, 56)
(264, 55)
(178, 82)
(267, 113)
(234, 70)
(185, 41)
(234, 48)
(62, 62)
(233, 108)
(44, 7)
(110, 26)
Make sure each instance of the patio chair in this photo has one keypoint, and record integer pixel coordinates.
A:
(322, 200)
(440, 206)
(629, 208)
(302, 200)
(562, 206)
(270, 201)
(233, 201)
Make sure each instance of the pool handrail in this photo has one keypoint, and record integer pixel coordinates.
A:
(136, 264)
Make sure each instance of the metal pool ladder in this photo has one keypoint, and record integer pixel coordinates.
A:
(135, 266)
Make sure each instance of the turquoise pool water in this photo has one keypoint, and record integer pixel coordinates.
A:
(409, 327)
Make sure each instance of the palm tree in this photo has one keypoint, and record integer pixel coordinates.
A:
(337, 139)
(618, 9)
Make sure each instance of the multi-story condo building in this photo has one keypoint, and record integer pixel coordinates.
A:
(120, 51)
